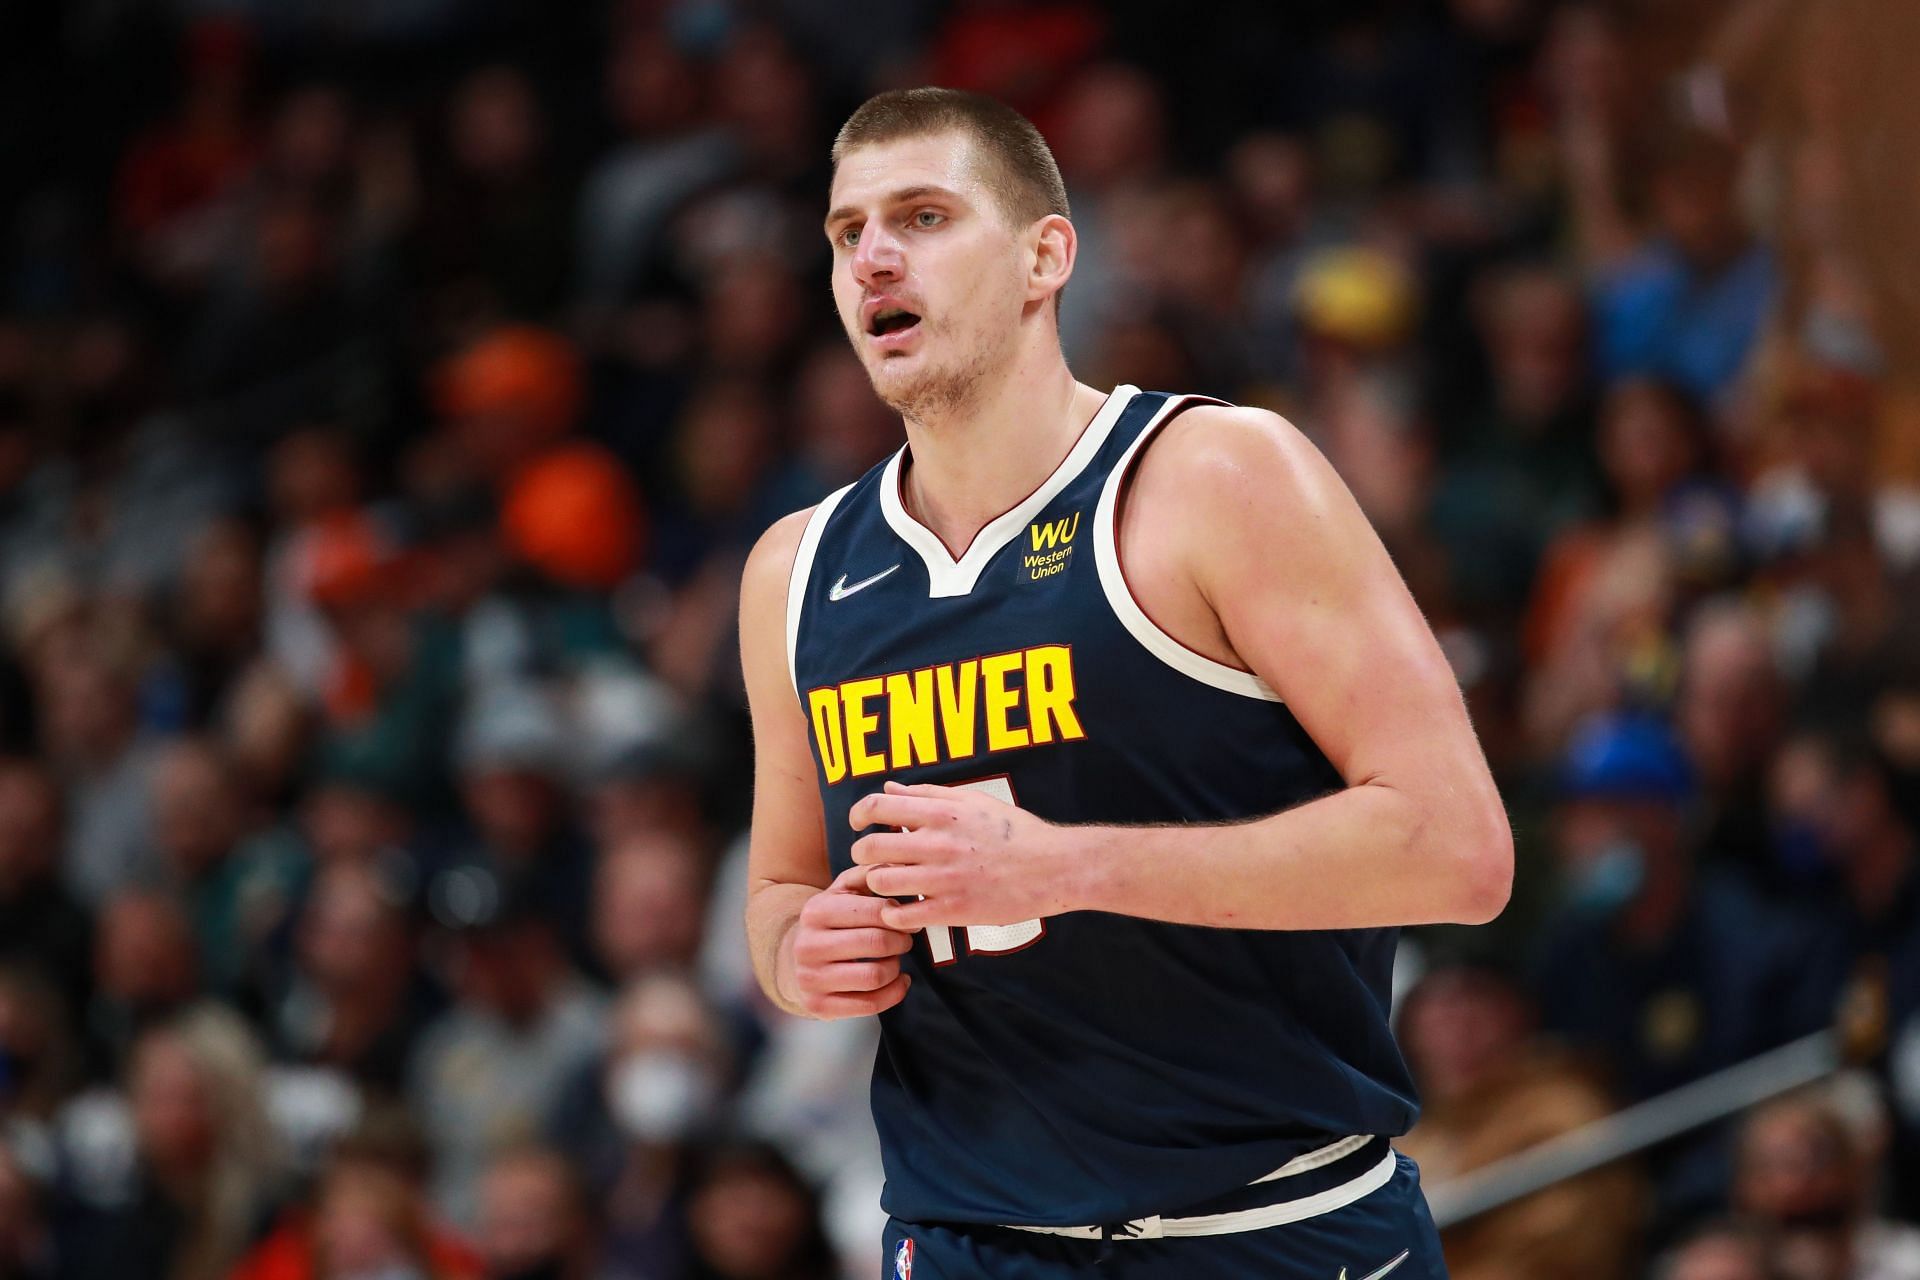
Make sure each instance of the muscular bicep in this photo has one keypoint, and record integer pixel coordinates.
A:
(787, 844)
(1312, 603)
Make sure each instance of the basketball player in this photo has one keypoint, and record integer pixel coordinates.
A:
(1100, 750)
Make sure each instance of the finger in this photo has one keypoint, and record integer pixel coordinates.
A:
(896, 882)
(854, 1006)
(844, 910)
(925, 790)
(890, 810)
(852, 880)
(892, 994)
(911, 917)
(870, 943)
(855, 976)
(897, 847)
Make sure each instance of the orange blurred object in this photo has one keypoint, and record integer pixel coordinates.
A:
(520, 371)
(345, 561)
(575, 515)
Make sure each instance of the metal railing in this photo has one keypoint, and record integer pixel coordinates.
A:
(1645, 1124)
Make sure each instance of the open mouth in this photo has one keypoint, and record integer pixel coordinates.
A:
(891, 320)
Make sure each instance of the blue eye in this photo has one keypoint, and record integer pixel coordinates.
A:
(924, 214)
(850, 237)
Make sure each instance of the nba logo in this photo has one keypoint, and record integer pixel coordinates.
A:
(903, 1260)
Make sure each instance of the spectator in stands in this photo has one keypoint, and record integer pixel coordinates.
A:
(535, 1220)
(1488, 1090)
(355, 1000)
(367, 1217)
(649, 788)
(1663, 969)
(1801, 1172)
(26, 1243)
(494, 234)
(513, 755)
(1111, 148)
(488, 1072)
(216, 621)
(649, 904)
(41, 927)
(208, 1171)
(145, 969)
(1666, 510)
(90, 734)
(1722, 1251)
(39, 1066)
(1730, 712)
(238, 889)
(840, 427)
(1833, 804)
(1688, 302)
(633, 1119)
(754, 1218)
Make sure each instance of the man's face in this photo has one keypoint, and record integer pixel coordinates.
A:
(915, 231)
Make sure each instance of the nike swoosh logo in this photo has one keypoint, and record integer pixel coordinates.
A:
(1391, 1266)
(840, 590)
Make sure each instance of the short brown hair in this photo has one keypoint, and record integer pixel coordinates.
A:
(1014, 160)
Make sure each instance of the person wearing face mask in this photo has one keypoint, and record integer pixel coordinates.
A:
(1661, 969)
(631, 1121)
(1801, 1171)
(1834, 799)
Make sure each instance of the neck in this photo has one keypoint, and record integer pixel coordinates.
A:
(975, 460)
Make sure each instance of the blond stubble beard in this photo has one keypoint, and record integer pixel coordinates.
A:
(938, 392)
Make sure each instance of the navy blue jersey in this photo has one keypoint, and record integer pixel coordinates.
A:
(1090, 1067)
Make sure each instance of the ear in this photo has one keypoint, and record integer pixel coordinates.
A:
(1054, 246)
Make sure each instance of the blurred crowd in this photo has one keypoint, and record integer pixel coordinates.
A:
(388, 396)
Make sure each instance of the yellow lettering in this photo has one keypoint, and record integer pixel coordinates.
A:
(910, 716)
(1054, 533)
(1001, 736)
(861, 724)
(825, 705)
(1050, 694)
(956, 688)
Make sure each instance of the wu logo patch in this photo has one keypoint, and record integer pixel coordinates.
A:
(903, 1260)
(1054, 533)
(1052, 547)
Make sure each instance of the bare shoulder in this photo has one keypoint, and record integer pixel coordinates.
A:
(1229, 461)
(763, 599)
(770, 563)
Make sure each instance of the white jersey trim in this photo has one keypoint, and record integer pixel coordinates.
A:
(1307, 1162)
(802, 570)
(1113, 581)
(1221, 1224)
(949, 577)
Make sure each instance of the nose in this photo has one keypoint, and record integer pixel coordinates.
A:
(877, 258)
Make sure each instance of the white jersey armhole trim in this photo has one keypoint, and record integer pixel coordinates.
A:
(802, 571)
(1106, 555)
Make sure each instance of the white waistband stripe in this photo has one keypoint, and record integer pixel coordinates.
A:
(1308, 1161)
(1220, 1224)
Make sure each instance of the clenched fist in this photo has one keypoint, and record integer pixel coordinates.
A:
(846, 963)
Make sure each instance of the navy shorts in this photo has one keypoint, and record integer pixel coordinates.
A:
(1385, 1235)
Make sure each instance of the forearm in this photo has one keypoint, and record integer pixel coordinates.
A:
(1366, 856)
(773, 909)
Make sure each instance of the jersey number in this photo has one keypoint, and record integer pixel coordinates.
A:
(986, 939)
